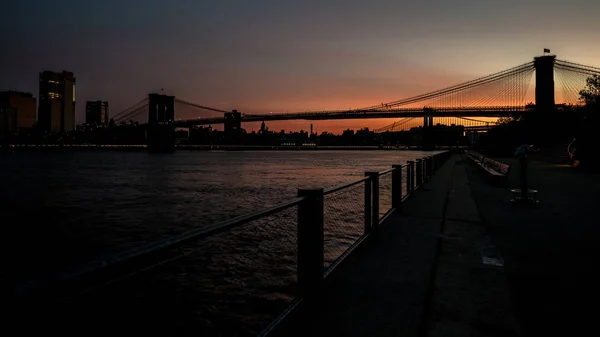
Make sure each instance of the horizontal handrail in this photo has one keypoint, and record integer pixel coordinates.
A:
(179, 239)
(341, 187)
(77, 277)
(344, 255)
(386, 172)
(196, 234)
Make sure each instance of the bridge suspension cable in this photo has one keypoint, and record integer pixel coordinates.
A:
(572, 78)
(570, 84)
(473, 120)
(120, 115)
(133, 114)
(394, 125)
(507, 88)
(510, 86)
(493, 95)
(576, 67)
(194, 105)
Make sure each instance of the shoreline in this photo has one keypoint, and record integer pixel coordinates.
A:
(116, 147)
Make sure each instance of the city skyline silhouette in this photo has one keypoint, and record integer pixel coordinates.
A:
(292, 57)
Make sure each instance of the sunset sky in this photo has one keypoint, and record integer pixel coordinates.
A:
(261, 56)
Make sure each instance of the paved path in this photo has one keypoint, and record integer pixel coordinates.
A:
(470, 297)
(386, 287)
(551, 251)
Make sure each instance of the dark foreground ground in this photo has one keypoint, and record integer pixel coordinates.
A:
(424, 273)
(551, 251)
(420, 274)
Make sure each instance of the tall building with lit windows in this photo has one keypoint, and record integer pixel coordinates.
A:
(96, 112)
(56, 110)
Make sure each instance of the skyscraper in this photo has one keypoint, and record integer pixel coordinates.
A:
(56, 112)
(96, 112)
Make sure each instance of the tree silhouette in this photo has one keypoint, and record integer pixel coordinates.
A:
(591, 93)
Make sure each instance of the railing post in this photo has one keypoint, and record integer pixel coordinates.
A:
(419, 172)
(409, 177)
(310, 241)
(374, 198)
(368, 204)
(397, 187)
(430, 167)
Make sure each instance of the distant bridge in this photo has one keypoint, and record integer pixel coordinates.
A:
(498, 95)
(364, 114)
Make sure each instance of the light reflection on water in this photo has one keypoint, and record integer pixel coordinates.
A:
(97, 203)
(66, 208)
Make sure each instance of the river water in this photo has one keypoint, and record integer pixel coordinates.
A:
(63, 209)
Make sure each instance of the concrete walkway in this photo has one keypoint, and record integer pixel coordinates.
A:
(470, 297)
(552, 250)
(388, 287)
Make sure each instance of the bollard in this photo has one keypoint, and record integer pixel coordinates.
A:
(374, 177)
(523, 176)
(397, 187)
(410, 177)
(368, 204)
(310, 241)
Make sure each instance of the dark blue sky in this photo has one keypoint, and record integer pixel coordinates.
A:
(284, 55)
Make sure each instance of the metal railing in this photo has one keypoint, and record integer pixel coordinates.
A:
(329, 221)
(238, 276)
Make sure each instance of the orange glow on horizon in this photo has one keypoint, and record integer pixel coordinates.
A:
(320, 102)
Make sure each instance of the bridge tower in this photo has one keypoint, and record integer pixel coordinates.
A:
(544, 82)
(427, 121)
(427, 134)
(232, 126)
(161, 131)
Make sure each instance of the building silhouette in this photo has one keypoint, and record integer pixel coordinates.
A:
(8, 120)
(56, 112)
(24, 105)
(96, 112)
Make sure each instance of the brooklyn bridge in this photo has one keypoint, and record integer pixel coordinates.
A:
(474, 104)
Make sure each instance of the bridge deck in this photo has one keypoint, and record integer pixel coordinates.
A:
(364, 114)
(383, 289)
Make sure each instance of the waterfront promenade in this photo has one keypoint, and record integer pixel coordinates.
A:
(551, 251)
(418, 275)
(423, 274)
